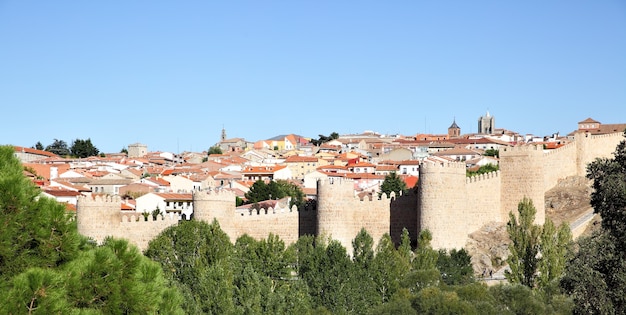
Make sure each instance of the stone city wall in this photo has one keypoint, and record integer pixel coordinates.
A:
(451, 205)
(99, 217)
(447, 203)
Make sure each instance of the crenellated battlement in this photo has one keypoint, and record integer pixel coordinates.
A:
(567, 147)
(269, 211)
(522, 148)
(442, 165)
(100, 200)
(140, 220)
(608, 135)
(214, 195)
(482, 177)
(448, 203)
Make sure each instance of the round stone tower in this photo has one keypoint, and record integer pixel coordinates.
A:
(335, 200)
(442, 201)
(216, 204)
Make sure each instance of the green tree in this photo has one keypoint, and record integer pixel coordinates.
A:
(110, 279)
(390, 268)
(596, 273)
(124, 150)
(424, 272)
(58, 147)
(492, 152)
(555, 244)
(197, 256)
(215, 150)
(38, 146)
(392, 183)
(433, 300)
(83, 148)
(36, 231)
(259, 191)
(323, 139)
(608, 197)
(488, 168)
(292, 190)
(455, 267)
(595, 276)
(35, 291)
(330, 276)
(525, 243)
(116, 278)
(537, 252)
(363, 250)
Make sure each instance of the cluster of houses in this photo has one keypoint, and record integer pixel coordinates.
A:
(165, 181)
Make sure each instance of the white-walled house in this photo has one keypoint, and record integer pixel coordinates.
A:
(180, 184)
(409, 167)
(179, 204)
(310, 179)
(107, 186)
(61, 195)
(71, 174)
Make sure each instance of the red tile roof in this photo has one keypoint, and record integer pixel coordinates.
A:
(34, 151)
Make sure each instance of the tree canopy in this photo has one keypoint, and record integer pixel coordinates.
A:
(596, 272)
(392, 183)
(83, 148)
(275, 189)
(214, 150)
(58, 147)
(46, 267)
(538, 252)
(36, 232)
(324, 139)
(488, 168)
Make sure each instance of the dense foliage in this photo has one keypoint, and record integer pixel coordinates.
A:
(596, 272)
(392, 183)
(537, 253)
(324, 139)
(215, 150)
(317, 275)
(58, 147)
(83, 148)
(275, 189)
(46, 267)
(488, 168)
(80, 148)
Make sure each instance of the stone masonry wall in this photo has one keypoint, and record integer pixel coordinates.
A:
(341, 215)
(447, 203)
(220, 205)
(522, 171)
(559, 163)
(451, 205)
(100, 216)
(590, 147)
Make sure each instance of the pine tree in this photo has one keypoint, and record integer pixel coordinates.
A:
(36, 231)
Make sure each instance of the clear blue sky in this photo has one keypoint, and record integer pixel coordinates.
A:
(171, 74)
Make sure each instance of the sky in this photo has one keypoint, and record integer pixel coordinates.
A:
(172, 74)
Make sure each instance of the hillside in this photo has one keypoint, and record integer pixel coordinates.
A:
(566, 202)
